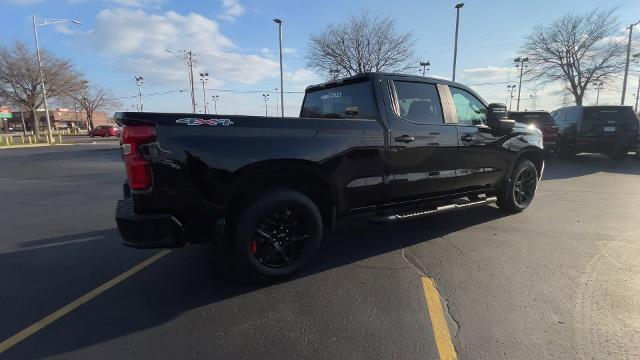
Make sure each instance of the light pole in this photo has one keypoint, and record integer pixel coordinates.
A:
(279, 22)
(520, 63)
(599, 86)
(511, 89)
(626, 64)
(215, 99)
(334, 73)
(44, 91)
(425, 66)
(455, 47)
(277, 103)
(187, 59)
(204, 77)
(139, 82)
(265, 97)
(533, 101)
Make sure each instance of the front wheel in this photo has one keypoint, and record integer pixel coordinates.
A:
(278, 233)
(520, 188)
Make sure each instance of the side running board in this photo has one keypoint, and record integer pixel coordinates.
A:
(457, 205)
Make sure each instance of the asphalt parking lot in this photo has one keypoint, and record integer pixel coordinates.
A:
(558, 281)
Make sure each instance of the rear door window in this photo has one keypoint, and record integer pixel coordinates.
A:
(418, 102)
(352, 101)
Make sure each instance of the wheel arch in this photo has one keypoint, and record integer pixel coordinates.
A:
(301, 175)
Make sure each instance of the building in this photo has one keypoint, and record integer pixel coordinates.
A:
(60, 119)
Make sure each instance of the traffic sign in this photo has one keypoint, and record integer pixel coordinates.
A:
(6, 115)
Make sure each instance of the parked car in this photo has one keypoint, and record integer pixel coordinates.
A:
(394, 146)
(543, 121)
(105, 130)
(611, 130)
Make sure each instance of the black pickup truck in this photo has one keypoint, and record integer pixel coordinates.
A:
(396, 146)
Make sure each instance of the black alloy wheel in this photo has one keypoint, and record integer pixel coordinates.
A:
(525, 186)
(280, 238)
(277, 232)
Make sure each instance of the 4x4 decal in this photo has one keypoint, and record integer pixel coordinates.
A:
(208, 122)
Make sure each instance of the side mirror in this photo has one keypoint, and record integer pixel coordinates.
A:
(497, 117)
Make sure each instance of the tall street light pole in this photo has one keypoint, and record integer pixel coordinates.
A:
(215, 99)
(424, 67)
(334, 73)
(626, 64)
(204, 77)
(511, 89)
(455, 47)
(265, 97)
(139, 82)
(44, 90)
(520, 63)
(279, 22)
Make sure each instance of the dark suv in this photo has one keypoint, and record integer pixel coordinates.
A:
(543, 121)
(611, 130)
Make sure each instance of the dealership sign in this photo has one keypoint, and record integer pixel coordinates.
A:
(5, 113)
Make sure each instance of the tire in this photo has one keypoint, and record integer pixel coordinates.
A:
(277, 234)
(523, 178)
(564, 150)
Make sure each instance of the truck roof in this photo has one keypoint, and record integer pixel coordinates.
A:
(377, 75)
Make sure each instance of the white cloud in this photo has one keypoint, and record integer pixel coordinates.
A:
(302, 76)
(136, 41)
(485, 74)
(232, 9)
(289, 50)
(139, 3)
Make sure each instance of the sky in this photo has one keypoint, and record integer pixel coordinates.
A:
(236, 42)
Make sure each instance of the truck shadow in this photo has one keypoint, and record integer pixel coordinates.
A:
(587, 164)
(195, 278)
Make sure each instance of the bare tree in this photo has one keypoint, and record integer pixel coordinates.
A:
(92, 98)
(20, 78)
(576, 50)
(361, 44)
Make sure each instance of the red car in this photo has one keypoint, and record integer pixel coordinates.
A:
(543, 121)
(105, 130)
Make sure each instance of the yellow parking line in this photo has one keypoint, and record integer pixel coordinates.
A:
(438, 321)
(39, 325)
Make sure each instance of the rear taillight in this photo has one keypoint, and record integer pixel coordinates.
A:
(137, 167)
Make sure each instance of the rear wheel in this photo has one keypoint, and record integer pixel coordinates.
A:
(563, 149)
(278, 233)
(520, 188)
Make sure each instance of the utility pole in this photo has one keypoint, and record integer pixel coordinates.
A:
(279, 22)
(139, 82)
(265, 97)
(204, 77)
(626, 64)
(424, 67)
(187, 59)
(599, 86)
(511, 89)
(215, 99)
(520, 63)
(455, 47)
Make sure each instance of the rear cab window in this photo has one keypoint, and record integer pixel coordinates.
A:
(349, 101)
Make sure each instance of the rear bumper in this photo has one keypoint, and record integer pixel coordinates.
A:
(603, 144)
(148, 231)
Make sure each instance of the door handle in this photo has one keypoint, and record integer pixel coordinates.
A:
(405, 138)
(467, 138)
